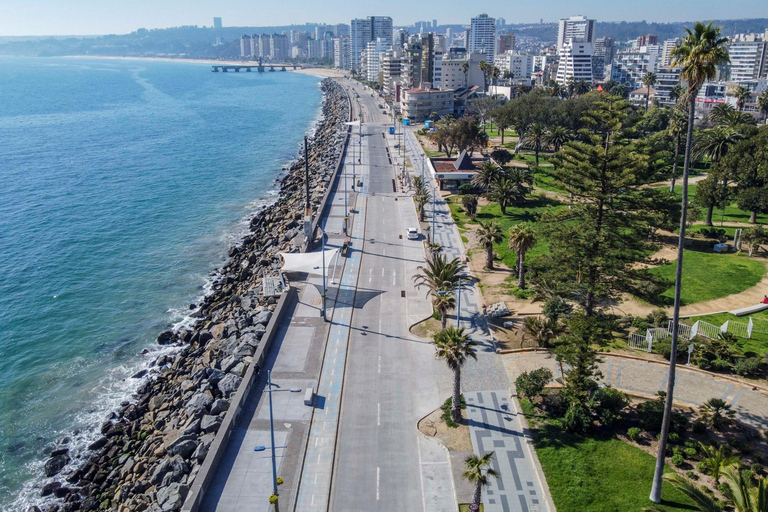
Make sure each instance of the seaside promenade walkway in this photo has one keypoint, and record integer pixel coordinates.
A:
(494, 419)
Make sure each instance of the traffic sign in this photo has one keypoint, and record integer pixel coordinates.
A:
(259, 448)
(474, 507)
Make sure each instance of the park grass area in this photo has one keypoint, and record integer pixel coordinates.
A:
(598, 474)
(529, 211)
(495, 132)
(708, 276)
(530, 158)
(731, 213)
(758, 343)
(545, 182)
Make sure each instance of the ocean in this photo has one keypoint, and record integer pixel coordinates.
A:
(122, 186)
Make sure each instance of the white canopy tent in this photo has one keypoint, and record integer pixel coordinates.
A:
(308, 262)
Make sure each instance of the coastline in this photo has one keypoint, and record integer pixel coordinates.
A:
(319, 72)
(159, 439)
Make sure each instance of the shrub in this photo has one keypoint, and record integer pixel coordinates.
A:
(502, 156)
(720, 365)
(466, 188)
(531, 384)
(756, 468)
(703, 468)
(634, 433)
(554, 403)
(664, 347)
(658, 317)
(640, 323)
(699, 427)
(678, 460)
(673, 437)
(651, 415)
(722, 488)
(677, 450)
(555, 308)
(690, 453)
(608, 404)
(691, 474)
(577, 419)
(748, 366)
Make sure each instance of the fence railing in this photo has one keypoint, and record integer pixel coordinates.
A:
(737, 328)
(683, 330)
(639, 342)
(758, 325)
(706, 329)
(699, 328)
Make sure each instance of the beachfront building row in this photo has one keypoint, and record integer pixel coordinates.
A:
(422, 103)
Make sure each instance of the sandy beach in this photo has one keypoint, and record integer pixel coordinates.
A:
(321, 72)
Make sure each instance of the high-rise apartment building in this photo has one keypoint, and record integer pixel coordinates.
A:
(341, 30)
(666, 51)
(217, 23)
(575, 62)
(280, 48)
(749, 57)
(506, 43)
(636, 63)
(341, 52)
(666, 79)
(453, 75)
(646, 40)
(363, 31)
(483, 36)
(245, 46)
(373, 51)
(578, 28)
(520, 66)
(604, 48)
(410, 70)
(391, 61)
(427, 58)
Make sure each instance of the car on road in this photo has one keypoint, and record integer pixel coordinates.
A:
(413, 234)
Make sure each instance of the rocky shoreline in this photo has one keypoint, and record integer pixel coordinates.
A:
(149, 452)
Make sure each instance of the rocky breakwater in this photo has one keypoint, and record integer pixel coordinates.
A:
(149, 452)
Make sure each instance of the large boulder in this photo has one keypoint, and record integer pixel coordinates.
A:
(171, 498)
(261, 317)
(229, 384)
(169, 471)
(55, 464)
(210, 424)
(184, 446)
(198, 404)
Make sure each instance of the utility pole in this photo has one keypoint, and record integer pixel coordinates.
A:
(272, 432)
(458, 306)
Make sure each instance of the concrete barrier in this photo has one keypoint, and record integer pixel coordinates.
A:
(324, 205)
(207, 470)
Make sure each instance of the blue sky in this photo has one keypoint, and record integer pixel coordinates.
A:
(64, 17)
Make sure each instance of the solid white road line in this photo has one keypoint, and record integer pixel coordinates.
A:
(378, 478)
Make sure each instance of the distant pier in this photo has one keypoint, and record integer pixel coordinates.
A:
(259, 67)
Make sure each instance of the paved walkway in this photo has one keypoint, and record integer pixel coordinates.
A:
(692, 388)
(486, 379)
(494, 424)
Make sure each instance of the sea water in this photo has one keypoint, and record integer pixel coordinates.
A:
(122, 185)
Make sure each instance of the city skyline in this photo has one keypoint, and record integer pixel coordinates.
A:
(88, 17)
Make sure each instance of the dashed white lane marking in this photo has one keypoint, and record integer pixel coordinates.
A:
(378, 414)
(378, 478)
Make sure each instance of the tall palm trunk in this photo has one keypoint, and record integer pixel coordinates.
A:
(456, 399)
(521, 270)
(443, 319)
(478, 492)
(674, 164)
(656, 488)
(489, 256)
(536, 150)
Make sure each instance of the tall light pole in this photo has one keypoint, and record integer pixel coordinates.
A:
(307, 208)
(458, 305)
(324, 287)
(272, 428)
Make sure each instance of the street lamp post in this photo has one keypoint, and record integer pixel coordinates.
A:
(272, 428)
(324, 287)
(458, 305)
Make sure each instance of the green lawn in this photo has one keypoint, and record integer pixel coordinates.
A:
(709, 275)
(529, 211)
(731, 213)
(759, 341)
(596, 474)
(544, 182)
(495, 132)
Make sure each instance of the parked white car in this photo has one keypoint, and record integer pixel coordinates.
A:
(413, 234)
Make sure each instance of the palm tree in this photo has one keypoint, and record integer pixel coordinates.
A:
(649, 80)
(554, 88)
(486, 69)
(735, 119)
(495, 72)
(700, 54)
(488, 233)
(742, 95)
(676, 129)
(489, 173)
(542, 330)
(455, 347)
(715, 459)
(534, 137)
(442, 302)
(762, 103)
(717, 412)
(522, 177)
(581, 87)
(422, 197)
(522, 238)
(715, 142)
(439, 276)
(676, 92)
(743, 494)
(477, 471)
(505, 192)
(465, 70)
(720, 112)
(469, 202)
(557, 137)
